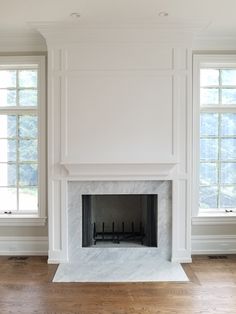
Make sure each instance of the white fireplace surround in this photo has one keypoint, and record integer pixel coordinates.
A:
(119, 109)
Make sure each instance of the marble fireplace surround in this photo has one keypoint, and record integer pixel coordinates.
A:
(120, 264)
(77, 188)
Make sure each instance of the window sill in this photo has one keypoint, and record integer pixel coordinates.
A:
(18, 220)
(215, 219)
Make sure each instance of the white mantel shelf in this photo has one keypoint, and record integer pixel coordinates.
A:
(120, 170)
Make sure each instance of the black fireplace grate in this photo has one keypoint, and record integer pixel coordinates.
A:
(127, 233)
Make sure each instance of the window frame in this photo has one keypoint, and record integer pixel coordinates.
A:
(206, 61)
(39, 218)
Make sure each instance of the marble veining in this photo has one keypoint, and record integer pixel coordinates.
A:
(77, 189)
(105, 264)
(120, 266)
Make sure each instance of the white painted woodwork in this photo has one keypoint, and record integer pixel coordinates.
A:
(118, 118)
(23, 245)
(213, 244)
(119, 105)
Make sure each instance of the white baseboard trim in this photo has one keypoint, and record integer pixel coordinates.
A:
(213, 244)
(181, 260)
(57, 257)
(181, 256)
(23, 245)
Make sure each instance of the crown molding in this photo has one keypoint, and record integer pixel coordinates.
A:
(189, 25)
(221, 43)
(135, 31)
(22, 41)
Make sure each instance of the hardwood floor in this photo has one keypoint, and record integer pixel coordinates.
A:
(26, 287)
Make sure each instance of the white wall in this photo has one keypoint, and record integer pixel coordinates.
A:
(215, 235)
(150, 62)
(22, 239)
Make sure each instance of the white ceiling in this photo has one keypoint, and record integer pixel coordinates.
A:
(15, 14)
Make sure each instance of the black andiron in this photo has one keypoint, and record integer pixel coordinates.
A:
(114, 236)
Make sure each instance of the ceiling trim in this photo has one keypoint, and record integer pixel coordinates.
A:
(177, 31)
(214, 43)
(189, 25)
(22, 41)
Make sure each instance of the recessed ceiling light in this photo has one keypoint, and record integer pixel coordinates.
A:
(163, 14)
(74, 15)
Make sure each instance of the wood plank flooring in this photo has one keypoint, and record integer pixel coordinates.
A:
(26, 287)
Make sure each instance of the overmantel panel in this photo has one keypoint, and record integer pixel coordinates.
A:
(118, 56)
(129, 114)
(118, 117)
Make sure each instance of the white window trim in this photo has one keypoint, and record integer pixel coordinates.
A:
(40, 218)
(205, 216)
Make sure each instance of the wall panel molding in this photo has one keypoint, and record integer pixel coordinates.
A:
(105, 101)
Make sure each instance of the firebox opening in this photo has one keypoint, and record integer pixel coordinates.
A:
(119, 220)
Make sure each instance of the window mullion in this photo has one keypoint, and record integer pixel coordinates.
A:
(219, 161)
(220, 109)
(17, 141)
(17, 162)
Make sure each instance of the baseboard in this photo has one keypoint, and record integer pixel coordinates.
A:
(181, 260)
(23, 246)
(57, 257)
(214, 244)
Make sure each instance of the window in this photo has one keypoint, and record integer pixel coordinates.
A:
(215, 169)
(22, 137)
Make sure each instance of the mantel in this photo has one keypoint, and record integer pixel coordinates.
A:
(126, 171)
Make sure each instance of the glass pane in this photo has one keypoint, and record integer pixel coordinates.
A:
(228, 77)
(209, 149)
(7, 97)
(28, 174)
(228, 124)
(28, 126)
(208, 173)
(209, 77)
(8, 199)
(7, 174)
(229, 96)
(228, 173)
(228, 197)
(7, 126)
(208, 197)
(228, 149)
(28, 97)
(7, 78)
(209, 96)
(28, 150)
(27, 78)
(7, 150)
(28, 199)
(209, 124)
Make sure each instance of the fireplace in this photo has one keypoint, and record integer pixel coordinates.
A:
(112, 259)
(119, 220)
